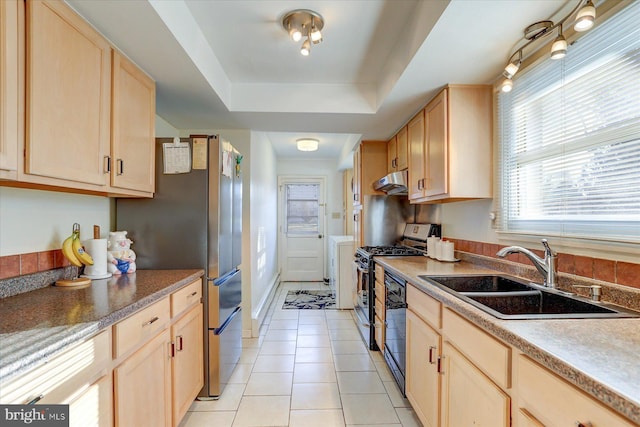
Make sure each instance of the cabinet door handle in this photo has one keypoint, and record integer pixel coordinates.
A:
(150, 321)
(107, 164)
(35, 400)
(179, 338)
(431, 351)
(420, 184)
(587, 424)
(120, 165)
(440, 368)
(193, 294)
(355, 217)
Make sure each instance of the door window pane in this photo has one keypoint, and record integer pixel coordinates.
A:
(302, 208)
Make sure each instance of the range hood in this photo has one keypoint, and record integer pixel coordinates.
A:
(394, 183)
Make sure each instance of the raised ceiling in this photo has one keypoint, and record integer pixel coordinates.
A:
(229, 64)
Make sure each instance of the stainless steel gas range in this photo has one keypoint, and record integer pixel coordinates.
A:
(413, 243)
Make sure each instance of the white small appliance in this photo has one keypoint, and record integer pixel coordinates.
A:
(341, 249)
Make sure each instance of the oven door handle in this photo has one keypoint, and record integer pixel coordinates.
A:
(360, 268)
(363, 321)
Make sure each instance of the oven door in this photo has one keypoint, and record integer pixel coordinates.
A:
(395, 333)
(363, 305)
(361, 294)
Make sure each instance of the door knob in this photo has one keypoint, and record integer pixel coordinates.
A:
(319, 236)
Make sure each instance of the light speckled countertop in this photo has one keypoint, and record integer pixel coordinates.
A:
(600, 356)
(36, 325)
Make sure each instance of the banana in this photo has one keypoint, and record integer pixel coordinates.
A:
(79, 251)
(67, 250)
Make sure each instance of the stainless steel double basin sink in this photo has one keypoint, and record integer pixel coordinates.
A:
(507, 297)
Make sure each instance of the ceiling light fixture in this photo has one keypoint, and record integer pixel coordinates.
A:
(307, 144)
(584, 19)
(559, 46)
(507, 85)
(304, 23)
(305, 50)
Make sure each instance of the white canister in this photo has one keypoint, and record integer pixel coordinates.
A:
(97, 248)
(446, 251)
(431, 246)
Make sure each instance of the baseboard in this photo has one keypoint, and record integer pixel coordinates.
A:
(260, 313)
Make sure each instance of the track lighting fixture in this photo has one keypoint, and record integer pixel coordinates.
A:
(586, 17)
(559, 46)
(304, 23)
(507, 85)
(514, 64)
(584, 20)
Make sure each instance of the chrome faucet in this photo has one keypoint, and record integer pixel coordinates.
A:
(548, 266)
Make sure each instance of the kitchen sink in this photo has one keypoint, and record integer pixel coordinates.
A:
(507, 297)
(480, 283)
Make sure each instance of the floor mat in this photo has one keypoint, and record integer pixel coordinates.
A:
(302, 300)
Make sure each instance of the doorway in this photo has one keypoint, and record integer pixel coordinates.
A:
(301, 225)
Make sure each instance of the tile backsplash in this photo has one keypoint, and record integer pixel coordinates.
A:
(33, 262)
(618, 272)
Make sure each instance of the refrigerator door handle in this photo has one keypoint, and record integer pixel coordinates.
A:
(226, 323)
(219, 281)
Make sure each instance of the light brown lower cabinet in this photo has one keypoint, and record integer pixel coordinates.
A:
(80, 377)
(93, 406)
(461, 375)
(423, 378)
(470, 398)
(546, 400)
(187, 363)
(142, 385)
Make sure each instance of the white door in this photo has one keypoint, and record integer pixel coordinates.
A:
(302, 229)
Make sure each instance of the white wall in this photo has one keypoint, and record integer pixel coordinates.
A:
(471, 221)
(164, 129)
(35, 220)
(264, 226)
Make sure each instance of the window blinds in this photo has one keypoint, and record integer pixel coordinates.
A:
(302, 208)
(569, 161)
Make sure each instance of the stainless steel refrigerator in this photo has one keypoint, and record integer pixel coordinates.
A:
(195, 221)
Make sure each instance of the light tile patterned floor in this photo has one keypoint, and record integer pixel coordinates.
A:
(308, 368)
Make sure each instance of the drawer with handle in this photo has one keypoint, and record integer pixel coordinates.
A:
(140, 327)
(64, 374)
(186, 297)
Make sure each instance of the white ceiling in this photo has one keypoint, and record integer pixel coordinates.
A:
(229, 64)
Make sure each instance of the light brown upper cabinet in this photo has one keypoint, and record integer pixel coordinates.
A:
(68, 96)
(415, 135)
(392, 149)
(11, 87)
(132, 127)
(397, 151)
(75, 115)
(450, 155)
(369, 165)
(402, 151)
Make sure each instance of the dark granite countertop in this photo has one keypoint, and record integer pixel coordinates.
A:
(599, 356)
(37, 325)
